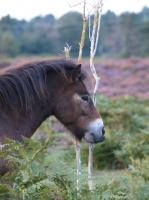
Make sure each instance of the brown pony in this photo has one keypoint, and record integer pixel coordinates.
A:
(33, 91)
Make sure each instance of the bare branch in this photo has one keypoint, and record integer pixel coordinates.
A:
(78, 157)
(81, 44)
(98, 28)
(89, 25)
(67, 51)
(93, 49)
(90, 167)
(79, 3)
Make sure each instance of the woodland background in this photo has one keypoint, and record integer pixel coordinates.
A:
(120, 36)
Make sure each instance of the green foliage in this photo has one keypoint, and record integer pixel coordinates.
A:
(126, 124)
(103, 154)
(139, 175)
(70, 26)
(122, 36)
(56, 180)
(8, 44)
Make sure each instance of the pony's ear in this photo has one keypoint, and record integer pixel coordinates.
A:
(76, 73)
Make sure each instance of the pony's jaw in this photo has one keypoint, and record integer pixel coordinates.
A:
(95, 132)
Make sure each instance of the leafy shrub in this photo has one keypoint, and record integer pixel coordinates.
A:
(32, 179)
(139, 175)
(39, 173)
(126, 124)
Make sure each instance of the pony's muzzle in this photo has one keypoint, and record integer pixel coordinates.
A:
(96, 132)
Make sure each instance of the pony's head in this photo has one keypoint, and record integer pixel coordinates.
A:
(74, 108)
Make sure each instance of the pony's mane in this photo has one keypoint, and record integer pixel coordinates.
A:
(19, 81)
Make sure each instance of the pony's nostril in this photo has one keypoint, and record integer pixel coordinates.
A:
(103, 131)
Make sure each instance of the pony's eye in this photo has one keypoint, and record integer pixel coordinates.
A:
(85, 98)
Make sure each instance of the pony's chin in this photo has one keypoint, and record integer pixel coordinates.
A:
(93, 140)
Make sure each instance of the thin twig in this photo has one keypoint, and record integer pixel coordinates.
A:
(89, 22)
(93, 50)
(67, 51)
(79, 3)
(98, 28)
(90, 167)
(81, 44)
(78, 157)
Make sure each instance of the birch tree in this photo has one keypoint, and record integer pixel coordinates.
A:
(96, 7)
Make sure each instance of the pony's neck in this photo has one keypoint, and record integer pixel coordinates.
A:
(41, 108)
(24, 124)
(34, 119)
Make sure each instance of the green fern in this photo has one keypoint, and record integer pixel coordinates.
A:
(32, 179)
